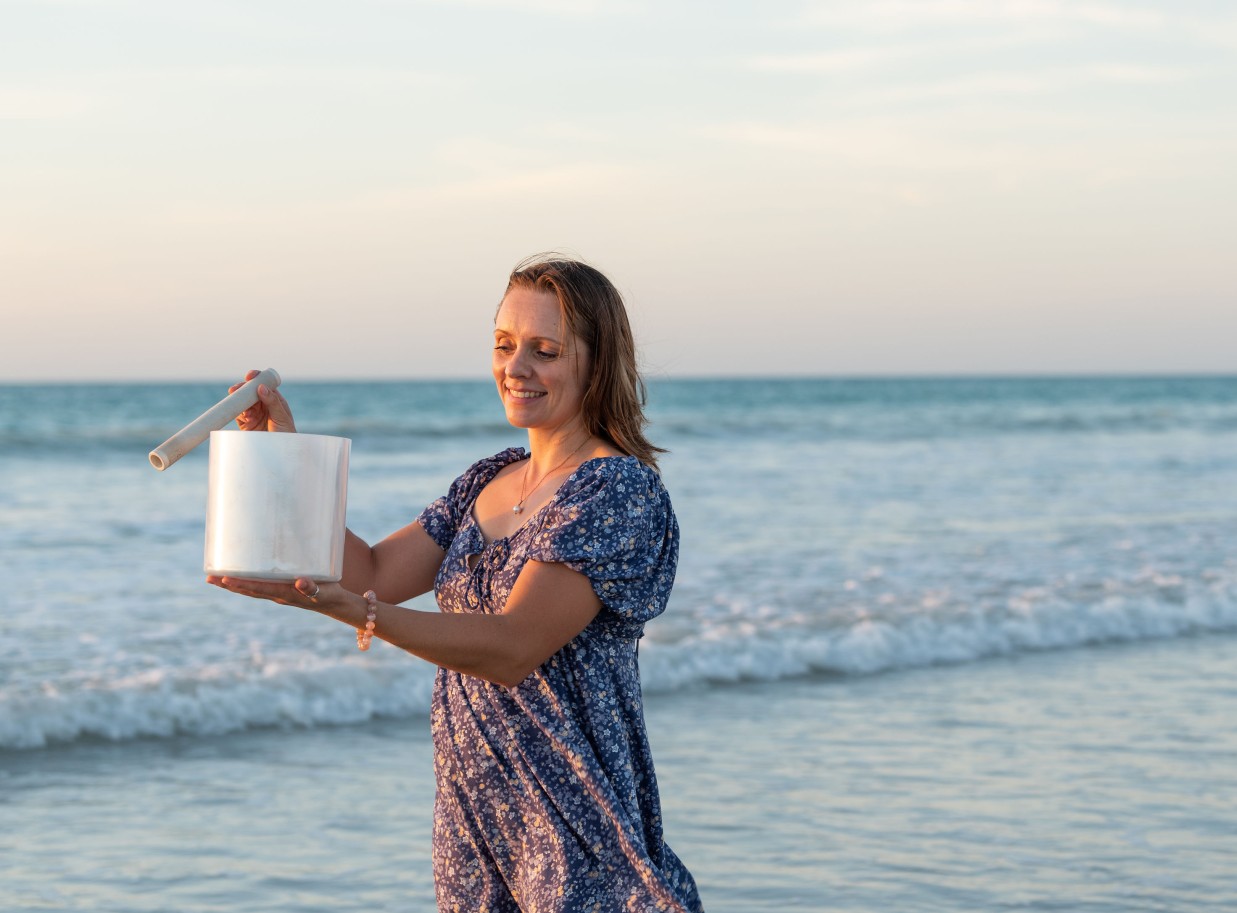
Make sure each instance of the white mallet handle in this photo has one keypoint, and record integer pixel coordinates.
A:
(214, 418)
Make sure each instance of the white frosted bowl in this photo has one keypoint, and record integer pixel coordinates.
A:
(277, 505)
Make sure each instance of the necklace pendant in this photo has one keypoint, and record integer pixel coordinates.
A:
(518, 509)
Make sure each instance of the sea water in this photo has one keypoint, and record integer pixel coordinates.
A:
(935, 644)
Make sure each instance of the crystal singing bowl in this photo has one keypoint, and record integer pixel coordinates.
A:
(276, 505)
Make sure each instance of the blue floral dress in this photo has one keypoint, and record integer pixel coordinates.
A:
(547, 799)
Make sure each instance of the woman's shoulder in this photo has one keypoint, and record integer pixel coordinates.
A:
(494, 464)
(613, 521)
(469, 483)
(618, 477)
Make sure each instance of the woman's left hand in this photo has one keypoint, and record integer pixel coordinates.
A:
(302, 592)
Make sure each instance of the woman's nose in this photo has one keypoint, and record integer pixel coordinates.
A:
(517, 364)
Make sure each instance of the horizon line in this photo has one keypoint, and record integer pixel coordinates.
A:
(659, 378)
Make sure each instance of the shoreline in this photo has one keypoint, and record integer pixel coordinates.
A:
(1044, 775)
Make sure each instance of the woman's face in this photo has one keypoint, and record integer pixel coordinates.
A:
(539, 365)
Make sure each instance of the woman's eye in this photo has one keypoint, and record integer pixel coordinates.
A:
(507, 348)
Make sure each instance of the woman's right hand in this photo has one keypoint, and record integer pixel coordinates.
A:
(270, 413)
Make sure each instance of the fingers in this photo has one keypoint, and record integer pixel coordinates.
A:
(270, 413)
(253, 419)
(279, 413)
(249, 375)
(283, 593)
(303, 592)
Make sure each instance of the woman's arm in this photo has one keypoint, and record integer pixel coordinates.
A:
(401, 566)
(549, 605)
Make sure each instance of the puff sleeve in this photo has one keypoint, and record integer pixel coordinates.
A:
(614, 523)
(442, 518)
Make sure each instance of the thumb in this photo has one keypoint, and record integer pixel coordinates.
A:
(307, 588)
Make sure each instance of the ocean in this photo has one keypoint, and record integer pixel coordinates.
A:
(942, 644)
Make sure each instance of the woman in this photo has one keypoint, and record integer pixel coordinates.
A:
(546, 565)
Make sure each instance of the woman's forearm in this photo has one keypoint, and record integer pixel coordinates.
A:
(548, 606)
(484, 646)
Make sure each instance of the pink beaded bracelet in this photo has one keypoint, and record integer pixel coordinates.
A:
(364, 636)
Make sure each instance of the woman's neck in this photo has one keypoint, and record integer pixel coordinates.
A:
(548, 448)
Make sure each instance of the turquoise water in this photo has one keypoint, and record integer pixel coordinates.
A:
(935, 644)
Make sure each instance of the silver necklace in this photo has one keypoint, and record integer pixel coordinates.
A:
(519, 505)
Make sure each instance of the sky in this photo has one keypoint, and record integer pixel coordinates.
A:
(339, 190)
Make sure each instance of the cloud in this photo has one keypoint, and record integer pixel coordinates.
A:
(1221, 34)
(1028, 83)
(1008, 150)
(34, 103)
(569, 8)
(911, 13)
(363, 78)
(1135, 74)
(90, 93)
(828, 62)
(589, 178)
(515, 183)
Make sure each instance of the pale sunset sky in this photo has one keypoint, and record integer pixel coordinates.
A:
(808, 188)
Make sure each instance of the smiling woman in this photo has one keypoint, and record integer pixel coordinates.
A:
(546, 566)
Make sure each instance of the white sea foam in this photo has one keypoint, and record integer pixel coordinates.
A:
(881, 645)
(212, 700)
(220, 698)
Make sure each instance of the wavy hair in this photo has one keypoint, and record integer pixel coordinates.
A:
(614, 392)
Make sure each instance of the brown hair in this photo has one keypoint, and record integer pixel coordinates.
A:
(593, 309)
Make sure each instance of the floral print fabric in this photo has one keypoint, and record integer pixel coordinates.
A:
(547, 798)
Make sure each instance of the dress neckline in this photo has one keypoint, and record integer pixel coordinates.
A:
(486, 540)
